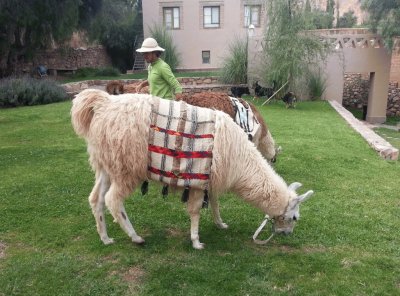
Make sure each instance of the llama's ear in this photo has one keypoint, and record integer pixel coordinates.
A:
(296, 201)
(294, 186)
(305, 196)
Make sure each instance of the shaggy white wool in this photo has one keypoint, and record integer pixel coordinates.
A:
(116, 129)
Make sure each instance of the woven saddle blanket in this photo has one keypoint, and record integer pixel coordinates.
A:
(245, 117)
(180, 145)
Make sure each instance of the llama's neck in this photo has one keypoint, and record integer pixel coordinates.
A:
(260, 185)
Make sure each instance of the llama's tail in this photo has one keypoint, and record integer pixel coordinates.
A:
(83, 109)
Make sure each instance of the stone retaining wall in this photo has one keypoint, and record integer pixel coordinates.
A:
(190, 85)
(355, 93)
(69, 59)
(393, 108)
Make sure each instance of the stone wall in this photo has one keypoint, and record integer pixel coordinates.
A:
(190, 85)
(393, 108)
(395, 65)
(70, 59)
(355, 90)
(355, 93)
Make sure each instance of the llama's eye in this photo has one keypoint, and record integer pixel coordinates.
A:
(294, 218)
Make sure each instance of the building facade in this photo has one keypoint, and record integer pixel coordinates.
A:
(203, 30)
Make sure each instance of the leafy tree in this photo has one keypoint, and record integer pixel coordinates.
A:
(319, 19)
(308, 6)
(116, 26)
(26, 26)
(347, 20)
(289, 51)
(384, 18)
(330, 9)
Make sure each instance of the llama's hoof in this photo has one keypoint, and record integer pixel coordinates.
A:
(107, 241)
(138, 240)
(222, 226)
(198, 245)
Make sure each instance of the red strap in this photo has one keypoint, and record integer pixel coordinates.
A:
(179, 175)
(175, 133)
(180, 154)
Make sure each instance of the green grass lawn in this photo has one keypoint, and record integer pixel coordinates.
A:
(346, 243)
(392, 136)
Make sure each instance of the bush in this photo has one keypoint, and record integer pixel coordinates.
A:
(85, 72)
(234, 65)
(316, 86)
(165, 40)
(92, 72)
(16, 92)
(108, 71)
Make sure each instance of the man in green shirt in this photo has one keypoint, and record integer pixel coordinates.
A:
(161, 81)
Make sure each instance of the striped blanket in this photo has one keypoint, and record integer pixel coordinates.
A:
(245, 117)
(180, 146)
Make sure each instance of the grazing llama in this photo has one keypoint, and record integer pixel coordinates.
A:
(117, 130)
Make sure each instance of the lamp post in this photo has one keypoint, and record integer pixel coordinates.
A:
(250, 31)
(250, 34)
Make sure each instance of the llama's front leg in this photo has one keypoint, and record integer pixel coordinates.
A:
(216, 214)
(114, 202)
(193, 207)
(96, 201)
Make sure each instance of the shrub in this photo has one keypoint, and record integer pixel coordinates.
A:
(16, 92)
(108, 71)
(316, 86)
(164, 39)
(234, 65)
(85, 72)
(92, 72)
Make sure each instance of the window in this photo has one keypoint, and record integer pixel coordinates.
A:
(171, 17)
(252, 15)
(211, 16)
(205, 55)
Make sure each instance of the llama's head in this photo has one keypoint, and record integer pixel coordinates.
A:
(286, 222)
(277, 150)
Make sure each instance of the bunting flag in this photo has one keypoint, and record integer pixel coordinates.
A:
(180, 145)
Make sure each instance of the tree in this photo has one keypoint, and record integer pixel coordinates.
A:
(26, 26)
(308, 6)
(347, 20)
(116, 27)
(384, 18)
(289, 51)
(330, 9)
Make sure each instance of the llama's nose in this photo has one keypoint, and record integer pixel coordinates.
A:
(273, 160)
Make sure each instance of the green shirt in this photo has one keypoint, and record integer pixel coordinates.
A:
(162, 82)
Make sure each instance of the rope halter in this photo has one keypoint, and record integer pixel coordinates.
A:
(262, 242)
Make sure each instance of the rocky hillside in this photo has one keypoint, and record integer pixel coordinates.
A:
(345, 6)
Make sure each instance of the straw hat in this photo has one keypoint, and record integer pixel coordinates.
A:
(150, 45)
